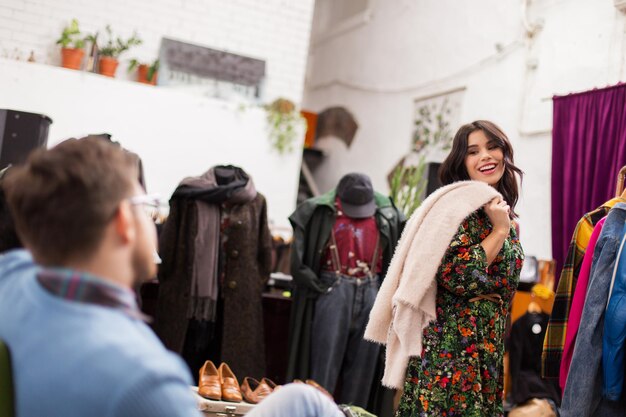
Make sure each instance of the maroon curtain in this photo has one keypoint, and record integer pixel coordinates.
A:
(588, 150)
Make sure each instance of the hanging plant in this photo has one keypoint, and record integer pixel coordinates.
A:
(284, 124)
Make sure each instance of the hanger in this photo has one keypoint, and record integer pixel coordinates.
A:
(533, 306)
(619, 189)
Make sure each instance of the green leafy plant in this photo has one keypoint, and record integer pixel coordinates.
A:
(115, 46)
(152, 68)
(283, 120)
(133, 64)
(431, 127)
(71, 36)
(408, 184)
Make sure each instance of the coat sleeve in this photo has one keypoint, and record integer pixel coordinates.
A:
(615, 335)
(464, 269)
(265, 244)
(168, 241)
(303, 276)
(516, 352)
(401, 221)
(396, 226)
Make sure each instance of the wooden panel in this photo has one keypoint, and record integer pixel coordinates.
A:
(521, 301)
(311, 122)
(276, 314)
(211, 63)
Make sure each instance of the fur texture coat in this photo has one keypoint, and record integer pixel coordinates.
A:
(405, 304)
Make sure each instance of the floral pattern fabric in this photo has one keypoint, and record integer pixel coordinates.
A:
(460, 372)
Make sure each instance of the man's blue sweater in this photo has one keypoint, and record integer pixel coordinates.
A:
(76, 359)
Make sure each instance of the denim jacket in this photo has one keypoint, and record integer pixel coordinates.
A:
(582, 396)
(615, 329)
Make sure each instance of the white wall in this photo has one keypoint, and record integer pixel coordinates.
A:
(175, 134)
(403, 50)
(276, 31)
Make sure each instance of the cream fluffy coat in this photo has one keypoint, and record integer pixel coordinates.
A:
(405, 304)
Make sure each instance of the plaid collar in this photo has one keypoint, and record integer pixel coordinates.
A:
(82, 287)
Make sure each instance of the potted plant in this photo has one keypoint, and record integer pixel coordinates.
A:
(72, 45)
(146, 73)
(111, 51)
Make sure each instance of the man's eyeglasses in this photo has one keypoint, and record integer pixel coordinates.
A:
(154, 208)
(152, 204)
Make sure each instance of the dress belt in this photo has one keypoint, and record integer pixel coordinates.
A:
(496, 298)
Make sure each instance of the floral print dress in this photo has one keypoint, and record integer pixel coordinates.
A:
(460, 372)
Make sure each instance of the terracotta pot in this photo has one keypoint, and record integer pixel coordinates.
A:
(108, 66)
(71, 58)
(142, 75)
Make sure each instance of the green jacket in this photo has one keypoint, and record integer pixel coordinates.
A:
(312, 223)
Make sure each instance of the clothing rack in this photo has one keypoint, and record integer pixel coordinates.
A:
(620, 182)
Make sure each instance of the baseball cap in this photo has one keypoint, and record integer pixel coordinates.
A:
(356, 194)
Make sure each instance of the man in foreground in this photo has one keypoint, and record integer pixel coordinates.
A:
(78, 341)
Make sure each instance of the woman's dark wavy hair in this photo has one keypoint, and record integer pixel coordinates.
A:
(453, 168)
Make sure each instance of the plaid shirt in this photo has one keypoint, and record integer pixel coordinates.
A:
(81, 287)
(555, 334)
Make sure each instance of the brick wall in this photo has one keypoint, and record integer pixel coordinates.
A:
(276, 31)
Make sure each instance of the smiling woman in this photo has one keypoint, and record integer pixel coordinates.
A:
(460, 370)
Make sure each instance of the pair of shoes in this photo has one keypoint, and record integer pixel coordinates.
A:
(254, 391)
(315, 385)
(354, 411)
(218, 384)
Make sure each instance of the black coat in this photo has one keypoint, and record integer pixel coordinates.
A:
(525, 346)
(248, 253)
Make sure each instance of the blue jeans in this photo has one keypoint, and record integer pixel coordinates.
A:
(296, 400)
(337, 345)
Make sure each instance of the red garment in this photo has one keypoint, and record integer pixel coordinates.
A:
(578, 302)
(356, 242)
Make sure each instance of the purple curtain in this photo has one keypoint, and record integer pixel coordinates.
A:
(588, 150)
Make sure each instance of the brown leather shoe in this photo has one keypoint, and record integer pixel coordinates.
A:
(230, 386)
(270, 384)
(254, 391)
(320, 388)
(209, 382)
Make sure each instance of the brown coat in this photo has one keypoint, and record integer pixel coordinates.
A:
(248, 254)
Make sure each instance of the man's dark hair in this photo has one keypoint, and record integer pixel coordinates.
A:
(63, 198)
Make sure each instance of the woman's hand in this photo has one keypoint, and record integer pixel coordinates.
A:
(498, 212)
